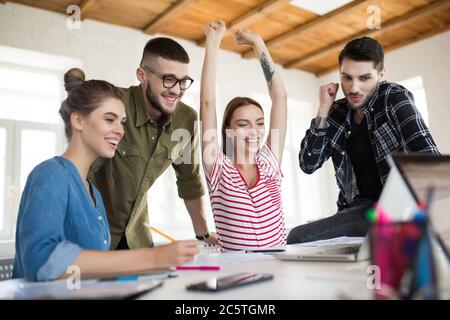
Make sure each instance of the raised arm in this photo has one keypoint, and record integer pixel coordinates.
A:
(277, 91)
(214, 32)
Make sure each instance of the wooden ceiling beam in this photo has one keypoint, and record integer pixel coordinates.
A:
(250, 17)
(178, 8)
(418, 37)
(310, 25)
(385, 27)
(87, 7)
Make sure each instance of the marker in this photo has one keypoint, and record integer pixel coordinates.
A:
(202, 268)
(420, 216)
(383, 217)
(371, 214)
(127, 278)
(264, 250)
(121, 278)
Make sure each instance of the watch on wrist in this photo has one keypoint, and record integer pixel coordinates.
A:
(203, 237)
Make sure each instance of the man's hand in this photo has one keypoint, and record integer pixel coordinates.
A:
(213, 239)
(327, 96)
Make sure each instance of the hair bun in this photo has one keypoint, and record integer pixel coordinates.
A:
(73, 78)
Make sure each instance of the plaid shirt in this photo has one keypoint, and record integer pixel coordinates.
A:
(393, 122)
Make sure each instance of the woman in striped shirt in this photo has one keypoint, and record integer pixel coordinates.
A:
(244, 176)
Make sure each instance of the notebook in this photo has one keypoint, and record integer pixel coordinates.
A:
(89, 289)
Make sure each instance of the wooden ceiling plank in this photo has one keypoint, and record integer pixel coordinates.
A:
(385, 27)
(88, 7)
(171, 13)
(250, 17)
(399, 44)
(313, 24)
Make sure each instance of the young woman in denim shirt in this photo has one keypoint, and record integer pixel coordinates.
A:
(62, 220)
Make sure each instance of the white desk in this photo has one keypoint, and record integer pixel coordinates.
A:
(292, 281)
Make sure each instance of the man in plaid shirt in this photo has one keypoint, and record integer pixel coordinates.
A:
(359, 132)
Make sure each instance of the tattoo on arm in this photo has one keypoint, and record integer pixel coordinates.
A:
(267, 69)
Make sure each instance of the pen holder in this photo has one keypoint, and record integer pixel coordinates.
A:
(402, 255)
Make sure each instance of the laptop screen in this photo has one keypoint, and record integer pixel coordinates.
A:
(422, 171)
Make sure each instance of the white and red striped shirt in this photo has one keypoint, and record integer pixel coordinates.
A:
(247, 218)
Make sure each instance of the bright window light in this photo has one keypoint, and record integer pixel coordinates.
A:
(320, 7)
(29, 96)
(415, 85)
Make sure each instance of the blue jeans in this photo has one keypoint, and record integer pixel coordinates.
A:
(351, 222)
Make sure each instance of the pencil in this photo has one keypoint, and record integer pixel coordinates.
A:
(160, 232)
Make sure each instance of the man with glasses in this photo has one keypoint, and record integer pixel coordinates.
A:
(159, 133)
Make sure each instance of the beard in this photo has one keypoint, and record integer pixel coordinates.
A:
(363, 102)
(155, 102)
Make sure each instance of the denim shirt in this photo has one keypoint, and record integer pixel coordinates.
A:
(57, 219)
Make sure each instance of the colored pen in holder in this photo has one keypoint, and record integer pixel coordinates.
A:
(402, 253)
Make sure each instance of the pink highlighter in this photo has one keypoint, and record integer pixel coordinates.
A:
(202, 268)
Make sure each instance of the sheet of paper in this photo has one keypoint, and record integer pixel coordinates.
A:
(220, 259)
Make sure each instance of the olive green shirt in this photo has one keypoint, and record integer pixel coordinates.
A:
(141, 157)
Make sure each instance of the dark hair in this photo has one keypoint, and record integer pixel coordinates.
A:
(364, 49)
(165, 48)
(228, 114)
(83, 96)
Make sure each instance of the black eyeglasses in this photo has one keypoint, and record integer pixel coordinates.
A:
(170, 81)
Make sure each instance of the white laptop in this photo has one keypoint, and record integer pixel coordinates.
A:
(407, 183)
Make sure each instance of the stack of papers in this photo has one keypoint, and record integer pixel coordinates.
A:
(333, 241)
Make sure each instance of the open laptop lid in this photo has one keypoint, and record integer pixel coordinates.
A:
(421, 171)
(396, 198)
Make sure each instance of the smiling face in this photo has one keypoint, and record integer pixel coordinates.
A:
(163, 99)
(359, 81)
(102, 129)
(247, 122)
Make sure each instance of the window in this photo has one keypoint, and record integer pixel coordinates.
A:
(415, 85)
(2, 172)
(29, 95)
(30, 132)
